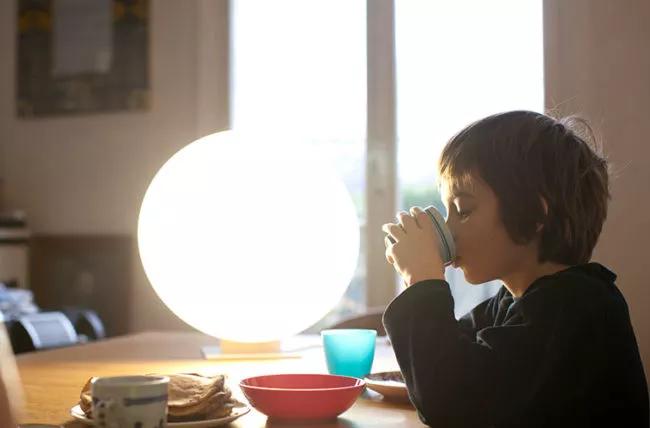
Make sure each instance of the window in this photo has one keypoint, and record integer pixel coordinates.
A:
(457, 62)
(304, 63)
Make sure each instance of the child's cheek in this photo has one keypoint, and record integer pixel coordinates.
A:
(474, 250)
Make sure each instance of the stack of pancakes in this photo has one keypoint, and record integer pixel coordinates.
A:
(191, 397)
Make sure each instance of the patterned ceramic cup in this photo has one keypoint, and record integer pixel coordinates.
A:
(130, 401)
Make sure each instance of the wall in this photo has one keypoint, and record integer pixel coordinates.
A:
(598, 65)
(87, 174)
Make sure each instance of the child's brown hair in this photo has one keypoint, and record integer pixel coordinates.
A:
(544, 174)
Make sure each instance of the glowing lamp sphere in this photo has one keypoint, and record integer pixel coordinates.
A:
(248, 238)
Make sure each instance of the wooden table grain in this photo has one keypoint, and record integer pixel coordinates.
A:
(53, 379)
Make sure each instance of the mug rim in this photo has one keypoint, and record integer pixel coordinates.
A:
(130, 380)
(330, 331)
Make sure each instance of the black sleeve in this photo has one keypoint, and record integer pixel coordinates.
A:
(453, 379)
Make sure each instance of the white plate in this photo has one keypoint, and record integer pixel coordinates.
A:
(237, 412)
(383, 383)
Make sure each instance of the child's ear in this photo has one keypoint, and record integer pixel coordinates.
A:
(540, 226)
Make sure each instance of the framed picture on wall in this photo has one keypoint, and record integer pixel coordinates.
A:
(80, 56)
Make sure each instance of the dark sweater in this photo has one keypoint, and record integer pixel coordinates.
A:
(562, 355)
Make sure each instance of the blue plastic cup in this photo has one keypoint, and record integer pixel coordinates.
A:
(349, 352)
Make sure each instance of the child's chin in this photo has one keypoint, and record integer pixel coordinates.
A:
(471, 278)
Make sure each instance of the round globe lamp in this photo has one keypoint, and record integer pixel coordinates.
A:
(248, 238)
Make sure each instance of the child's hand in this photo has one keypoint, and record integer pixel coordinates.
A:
(414, 253)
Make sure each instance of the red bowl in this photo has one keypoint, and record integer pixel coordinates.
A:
(302, 396)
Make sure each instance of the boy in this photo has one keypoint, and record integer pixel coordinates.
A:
(526, 199)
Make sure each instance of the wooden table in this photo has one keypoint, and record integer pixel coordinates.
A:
(53, 379)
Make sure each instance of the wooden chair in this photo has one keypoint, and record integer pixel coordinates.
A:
(11, 394)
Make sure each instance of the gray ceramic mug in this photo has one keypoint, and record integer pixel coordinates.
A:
(446, 243)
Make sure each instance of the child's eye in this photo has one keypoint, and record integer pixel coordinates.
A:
(462, 214)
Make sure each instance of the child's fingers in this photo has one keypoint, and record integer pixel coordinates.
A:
(415, 211)
(395, 231)
(422, 217)
(406, 221)
(389, 253)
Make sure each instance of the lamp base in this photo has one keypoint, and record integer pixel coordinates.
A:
(292, 348)
(230, 347)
